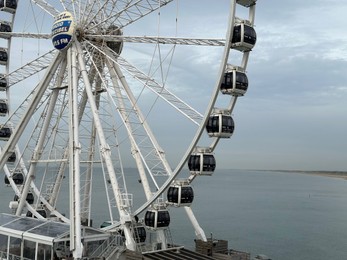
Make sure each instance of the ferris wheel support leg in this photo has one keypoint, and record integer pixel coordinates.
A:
(74, 160)
(199, 232)
(124, 215)
(61, 171)
(86, 206)
(85, 214)
(116, 72)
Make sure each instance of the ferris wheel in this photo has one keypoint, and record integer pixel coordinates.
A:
(96, 89)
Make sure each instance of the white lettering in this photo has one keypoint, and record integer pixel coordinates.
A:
(60, 30)
(56, 25)
(60, 41)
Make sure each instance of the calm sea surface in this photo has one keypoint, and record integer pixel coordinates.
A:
(283, 215)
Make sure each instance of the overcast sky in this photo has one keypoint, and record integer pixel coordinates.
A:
(294, 115)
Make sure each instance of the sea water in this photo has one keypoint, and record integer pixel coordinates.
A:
(285, 215)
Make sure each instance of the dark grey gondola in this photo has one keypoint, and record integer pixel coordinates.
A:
(220, 125)
(202, 164)
(157, 218)
(234, 83)
(244, 37)
(5, 27)
(29, 199)
(180, 195)
(3, 107)
(3, 56)
(8, 5)
(5, 133)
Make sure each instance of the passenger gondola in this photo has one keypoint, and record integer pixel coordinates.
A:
(5, 27)
(5, 132)
(29, 199)
(9, 6)
(7, 182)
(17, 177)
(116, 46)
(3, 56)
(180, 194)
(201, 163)
(244, 36)
(12, 158)
(3, 107)
(157, 218)
(246, 3)
(42, 212)
(3, 83)
(235, 81)
(140, 234)
(220, 125)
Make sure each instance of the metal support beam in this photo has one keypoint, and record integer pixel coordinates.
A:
(74, 160)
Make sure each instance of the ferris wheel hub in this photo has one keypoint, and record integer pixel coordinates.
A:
(62, 30)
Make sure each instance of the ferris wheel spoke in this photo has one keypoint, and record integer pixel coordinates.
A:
(81, 9)
(131, 127)
(31, 68)
(46, 7)
(147, 147)
(161, 91)
(154, 86)
(128, 12)
(139, 9)
(158, 40)
(146, 151)
(92, 11)
(44, 36)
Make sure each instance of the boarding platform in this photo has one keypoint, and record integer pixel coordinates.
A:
(30, 238)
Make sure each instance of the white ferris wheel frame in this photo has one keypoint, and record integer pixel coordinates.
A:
(115, 64)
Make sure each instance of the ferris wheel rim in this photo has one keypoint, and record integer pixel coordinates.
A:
(251, 5)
